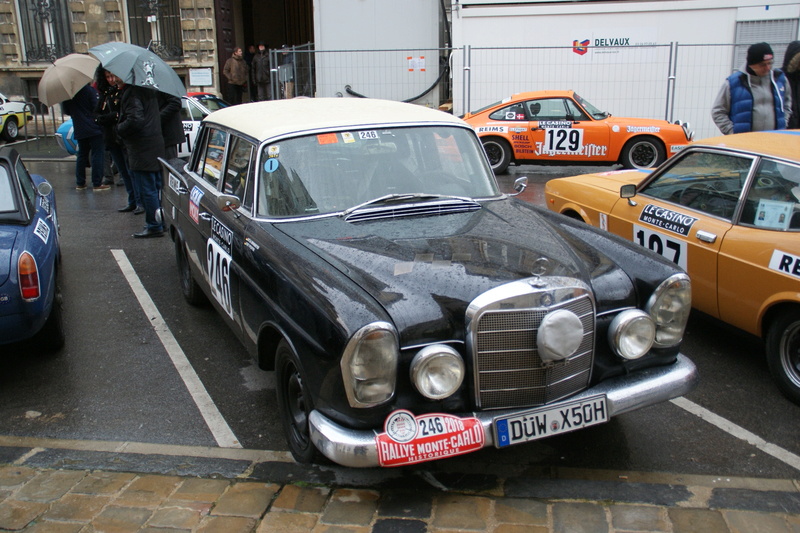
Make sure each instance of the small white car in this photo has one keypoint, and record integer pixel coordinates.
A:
(13, 116)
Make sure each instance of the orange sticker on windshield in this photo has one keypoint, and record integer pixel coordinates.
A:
(327, 138)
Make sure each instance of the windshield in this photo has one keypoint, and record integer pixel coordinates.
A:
(332, 172)
(592, 110)
(211, 102)
(8, 203)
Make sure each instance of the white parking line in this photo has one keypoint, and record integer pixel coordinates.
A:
(739, 432)
(219, 428)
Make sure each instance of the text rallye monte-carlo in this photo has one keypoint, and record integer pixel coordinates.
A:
(411, 311)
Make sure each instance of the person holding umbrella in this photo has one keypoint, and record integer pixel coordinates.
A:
(89, 137)
(139, 127)
(142, 75)
(107, 116)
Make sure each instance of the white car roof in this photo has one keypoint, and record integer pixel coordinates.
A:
(266, 120)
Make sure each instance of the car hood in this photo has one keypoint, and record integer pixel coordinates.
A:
(425, 271)
(650, 125)
(610, 181)
(8, 237)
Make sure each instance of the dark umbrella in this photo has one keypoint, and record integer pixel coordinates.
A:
(138, 66)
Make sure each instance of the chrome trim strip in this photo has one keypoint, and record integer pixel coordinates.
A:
(357, 448)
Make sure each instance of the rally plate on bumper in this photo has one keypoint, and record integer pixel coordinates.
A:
(549, 420)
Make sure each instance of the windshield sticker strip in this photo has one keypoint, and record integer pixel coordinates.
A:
(666, 219)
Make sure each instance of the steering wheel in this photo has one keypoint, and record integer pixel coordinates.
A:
(699, 196)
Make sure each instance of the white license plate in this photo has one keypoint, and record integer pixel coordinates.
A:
(551, 420)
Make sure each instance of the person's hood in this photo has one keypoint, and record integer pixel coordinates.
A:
(791, 61)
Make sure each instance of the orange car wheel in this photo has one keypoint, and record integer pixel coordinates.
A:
(643, 152)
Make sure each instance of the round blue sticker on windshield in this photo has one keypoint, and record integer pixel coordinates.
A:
(271, 165)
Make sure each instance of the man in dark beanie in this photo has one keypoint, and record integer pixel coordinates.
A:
(755, 98)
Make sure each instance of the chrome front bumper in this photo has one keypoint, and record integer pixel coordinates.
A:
(357, 448)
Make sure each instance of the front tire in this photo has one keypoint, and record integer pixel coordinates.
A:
(499, 153)
(643, 152)
(294, 405)
(11, 129)
(783, 353)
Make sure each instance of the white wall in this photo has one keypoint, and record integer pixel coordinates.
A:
(381, 36)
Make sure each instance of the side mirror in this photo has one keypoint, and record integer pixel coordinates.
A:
(627, 191)
(228, 202)
(520, 184)
(44, 188)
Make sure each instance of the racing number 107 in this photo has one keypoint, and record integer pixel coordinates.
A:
(673, 250)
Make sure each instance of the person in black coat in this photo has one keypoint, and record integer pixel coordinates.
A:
(107, 116)
(171, 124)
(139, 128)
(89, 136)
(791, 69)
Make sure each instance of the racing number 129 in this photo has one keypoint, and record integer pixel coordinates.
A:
(563, 139)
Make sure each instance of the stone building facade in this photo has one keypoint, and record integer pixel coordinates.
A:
(33, 33)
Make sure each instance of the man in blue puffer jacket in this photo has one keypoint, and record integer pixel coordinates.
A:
(755, 98)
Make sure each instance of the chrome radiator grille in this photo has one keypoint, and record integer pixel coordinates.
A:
(508, 370)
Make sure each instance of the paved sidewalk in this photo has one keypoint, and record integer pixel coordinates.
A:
(81, 486)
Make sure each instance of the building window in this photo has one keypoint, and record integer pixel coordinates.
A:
(46, 29)
(156, 24)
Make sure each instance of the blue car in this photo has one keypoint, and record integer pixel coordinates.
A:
(30, 257)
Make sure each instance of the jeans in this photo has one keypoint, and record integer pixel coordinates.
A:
(118, 156)
(149, 183)
(96, 147)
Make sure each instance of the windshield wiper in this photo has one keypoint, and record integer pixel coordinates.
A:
(393, 198)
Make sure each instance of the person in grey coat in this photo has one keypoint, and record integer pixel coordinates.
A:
(755, 98)
(139, 127)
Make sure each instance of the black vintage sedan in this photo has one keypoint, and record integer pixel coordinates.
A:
(362, 250)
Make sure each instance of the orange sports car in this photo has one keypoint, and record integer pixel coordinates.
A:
(561, 127)
(727, 210)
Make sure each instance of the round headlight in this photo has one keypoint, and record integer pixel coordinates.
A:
(437, 371)
(669, 305)
(632, 333)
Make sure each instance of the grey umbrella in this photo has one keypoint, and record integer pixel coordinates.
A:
(138, 66)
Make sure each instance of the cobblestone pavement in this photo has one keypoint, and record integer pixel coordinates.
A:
(88, 486)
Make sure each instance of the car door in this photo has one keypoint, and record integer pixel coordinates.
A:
(684, 212)
(191, 116)
(209, 239)
(224, 242)
(759, 259)
(561, 130)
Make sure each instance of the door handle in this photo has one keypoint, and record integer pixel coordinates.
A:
(205, 216)
(706, 236)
